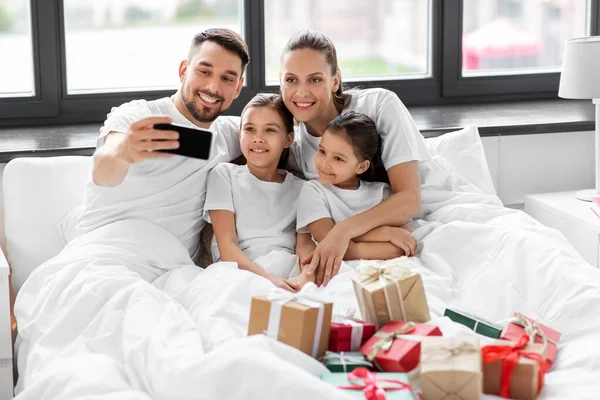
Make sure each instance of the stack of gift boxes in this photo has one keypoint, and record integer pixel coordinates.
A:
(393, 349)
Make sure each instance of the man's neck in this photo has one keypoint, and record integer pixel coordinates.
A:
(178, 101)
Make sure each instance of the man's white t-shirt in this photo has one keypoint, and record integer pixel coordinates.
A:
(319, 201)
(169, 192)
(400, 137)
(265, 212)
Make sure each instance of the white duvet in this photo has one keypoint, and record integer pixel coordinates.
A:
(121, 313)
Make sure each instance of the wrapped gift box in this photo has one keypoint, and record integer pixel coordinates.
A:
(396, 386)
(348, 334)
(293, 319)
(520, 324)
(476, 324)
(451, 368)
(527, 377)
(390, 291)
(396, 347)
(345, 361)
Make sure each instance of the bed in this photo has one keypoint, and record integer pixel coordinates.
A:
(122, 312)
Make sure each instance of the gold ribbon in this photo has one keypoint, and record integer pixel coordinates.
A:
(463, 347)
(387, 338)
(531, 329)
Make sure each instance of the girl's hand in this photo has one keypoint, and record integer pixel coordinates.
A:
(326, 259)
(283, 284)
(299, 281)
(403, 239)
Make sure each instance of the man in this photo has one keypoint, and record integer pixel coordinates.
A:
(132, 180)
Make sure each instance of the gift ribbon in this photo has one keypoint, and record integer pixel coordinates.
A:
(531, 329)
(387, 338)
(392, 271)
(368, 384)
(344, 359)
(344, 318)
(510, 357)
(453, 351)
(279, 297)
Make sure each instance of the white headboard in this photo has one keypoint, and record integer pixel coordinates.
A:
(38, 192)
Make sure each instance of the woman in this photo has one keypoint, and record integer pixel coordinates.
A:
(311, 87)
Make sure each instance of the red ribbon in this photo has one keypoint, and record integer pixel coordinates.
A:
(369, 384)
(510, 357)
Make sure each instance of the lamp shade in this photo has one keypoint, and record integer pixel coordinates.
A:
(580, 76)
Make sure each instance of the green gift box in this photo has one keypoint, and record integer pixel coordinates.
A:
(340, 379)
(345, 361)
(477, 324)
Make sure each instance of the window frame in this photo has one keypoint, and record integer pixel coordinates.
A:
(52, 105)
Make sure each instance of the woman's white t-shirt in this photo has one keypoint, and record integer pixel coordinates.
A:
(400, 137)
(265, 212)
(319, 201)
(168, 192)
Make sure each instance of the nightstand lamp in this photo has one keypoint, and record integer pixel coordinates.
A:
(580, 79)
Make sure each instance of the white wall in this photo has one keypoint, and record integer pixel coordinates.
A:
(519, 164)
(525, 164)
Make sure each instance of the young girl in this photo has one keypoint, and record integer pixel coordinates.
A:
(348, 164)
(252, 207)
(311, 87)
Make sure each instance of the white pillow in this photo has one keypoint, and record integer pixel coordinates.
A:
(463, 154)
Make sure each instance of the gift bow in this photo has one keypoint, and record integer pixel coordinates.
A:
(279, 297)
(531, 329)
(368, 384)
(344, 317)
(393, 271)
(510, 357)
(387, 338)
(463, 347)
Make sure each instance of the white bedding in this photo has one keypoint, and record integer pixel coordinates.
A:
(122, 313)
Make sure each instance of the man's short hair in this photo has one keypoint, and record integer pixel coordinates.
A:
(226, 38)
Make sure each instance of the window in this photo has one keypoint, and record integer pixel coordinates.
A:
(518, 36)
(375, 40)
(71, 61)
(136, 45)
(16, 47)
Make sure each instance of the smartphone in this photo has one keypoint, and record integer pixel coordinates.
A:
(193, 142)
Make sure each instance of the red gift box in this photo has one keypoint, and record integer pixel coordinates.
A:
(396, 347)
(340, 336)
(519, 324)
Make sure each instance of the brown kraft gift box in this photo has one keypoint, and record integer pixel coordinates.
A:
(525, 380)
(297, 324)
(382, 289)
(451, 368)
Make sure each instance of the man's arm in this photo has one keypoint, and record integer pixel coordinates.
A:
(112, 159)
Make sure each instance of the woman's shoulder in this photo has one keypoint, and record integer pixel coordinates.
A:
(368, 95)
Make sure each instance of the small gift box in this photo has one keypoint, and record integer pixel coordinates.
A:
(363, 384)
(397, 346)
(477, 324)
(451, 368)
(296, 319)
(345, 361)
(514, 369)
(348, 334)
(538, 333)
(390, 291)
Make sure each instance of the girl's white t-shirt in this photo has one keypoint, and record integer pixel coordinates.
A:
(318, 201)
(168, 192)
(401, 139)
(265, 212)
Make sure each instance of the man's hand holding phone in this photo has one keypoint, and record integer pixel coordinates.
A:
(143, 142)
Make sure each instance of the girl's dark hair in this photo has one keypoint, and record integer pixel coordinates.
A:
(319, 42)
(362, 135)
(274, 101)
